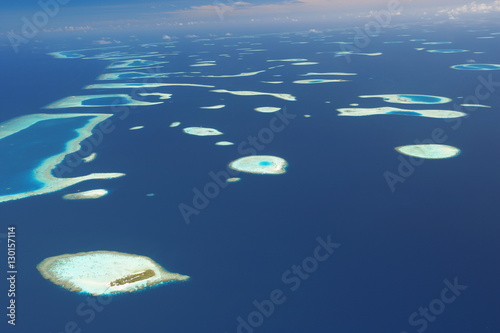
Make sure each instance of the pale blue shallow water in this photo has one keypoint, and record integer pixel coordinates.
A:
(103, 101)
(422, 98)
(405, 113)
(478, 67)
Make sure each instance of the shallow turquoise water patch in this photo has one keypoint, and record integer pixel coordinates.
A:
(32, 146)
(97, 101)
(106, 101)
(436, 43)
(427, 99)
(448, 51)
(134, 63)
(410, 98)
(477, 67)
(131, 75)
(405, 113)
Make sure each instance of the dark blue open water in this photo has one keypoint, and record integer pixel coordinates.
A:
(396, 248)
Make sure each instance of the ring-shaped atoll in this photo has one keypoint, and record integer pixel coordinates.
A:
(134, 63)
(130, 76)
(359, 112)
(260, 164)
(142, 85)
(410, 98)
(92, 101)
(57, 136)
(477, 67)
(286, 97)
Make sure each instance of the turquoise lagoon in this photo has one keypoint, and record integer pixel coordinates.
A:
(34, 145)
(477, 67)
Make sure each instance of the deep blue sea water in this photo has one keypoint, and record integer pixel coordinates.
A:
(396, 248)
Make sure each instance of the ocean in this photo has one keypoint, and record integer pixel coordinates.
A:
(354, 237)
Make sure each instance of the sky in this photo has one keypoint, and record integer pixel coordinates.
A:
(121, 14)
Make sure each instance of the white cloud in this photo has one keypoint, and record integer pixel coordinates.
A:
(239, 9)
(472, 8)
